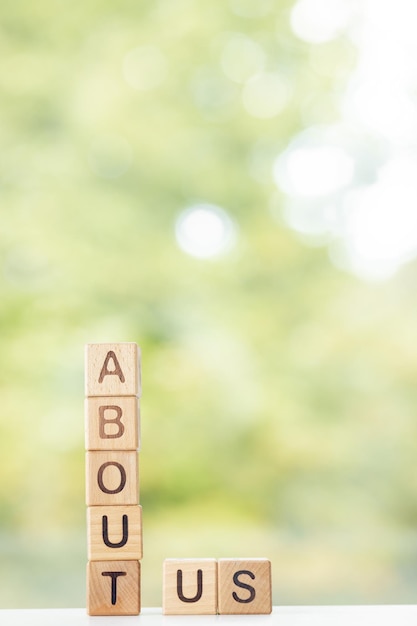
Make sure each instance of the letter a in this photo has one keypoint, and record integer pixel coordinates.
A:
(116, 371)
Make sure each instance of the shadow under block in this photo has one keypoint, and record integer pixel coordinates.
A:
(112, 423)
(189, 587)
(114, 533)
(112, 369)
(244, 586)
(112, 478)
(113, 588)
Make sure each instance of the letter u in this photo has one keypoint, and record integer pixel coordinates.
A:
(180, 592)
(105, 532)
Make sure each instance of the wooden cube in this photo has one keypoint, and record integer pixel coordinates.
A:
(244, 586)
(112, 369)
(114, 533)
(112, 478)
(113, 588)
(112, 423)
(189, 587)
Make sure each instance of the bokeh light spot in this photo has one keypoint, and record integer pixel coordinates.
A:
(381, 108)
(381, 219)
(318, 21)
(205, 231)
(145, 68)
(242, 58)
(212, 93)
(265, 95)
(313, 170)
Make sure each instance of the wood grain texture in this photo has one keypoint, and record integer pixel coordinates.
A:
(244, 586)
(114, 533)
(113, 588)
(112, 478)
(189, 587)
(112, 369)
(112, 423)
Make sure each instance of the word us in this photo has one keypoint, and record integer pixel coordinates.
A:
(114, 517)
(210, 586)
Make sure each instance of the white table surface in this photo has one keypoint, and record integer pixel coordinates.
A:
(283, 616)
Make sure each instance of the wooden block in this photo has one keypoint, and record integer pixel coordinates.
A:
(112, 478)
(190, 587)
(245, 586)
(112, 369)
(114, 533)
(112, 423)
(113, 588)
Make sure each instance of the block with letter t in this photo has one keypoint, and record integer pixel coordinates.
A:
(113, 588)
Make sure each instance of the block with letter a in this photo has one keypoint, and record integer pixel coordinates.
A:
(112, 369)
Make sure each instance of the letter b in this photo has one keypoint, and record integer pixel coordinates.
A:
(112, 423)
(107, 433)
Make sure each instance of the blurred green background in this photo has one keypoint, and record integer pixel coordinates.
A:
(231, 185)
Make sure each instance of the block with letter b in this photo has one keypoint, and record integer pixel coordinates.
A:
(112, 423)
(112, 478)
(112, 369)
(244, 586)
(190, 587)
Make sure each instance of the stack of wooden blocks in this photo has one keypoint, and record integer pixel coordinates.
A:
(114, 517)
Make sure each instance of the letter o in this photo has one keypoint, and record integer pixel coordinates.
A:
(122, 477)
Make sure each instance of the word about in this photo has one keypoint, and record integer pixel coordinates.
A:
(114, 516)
